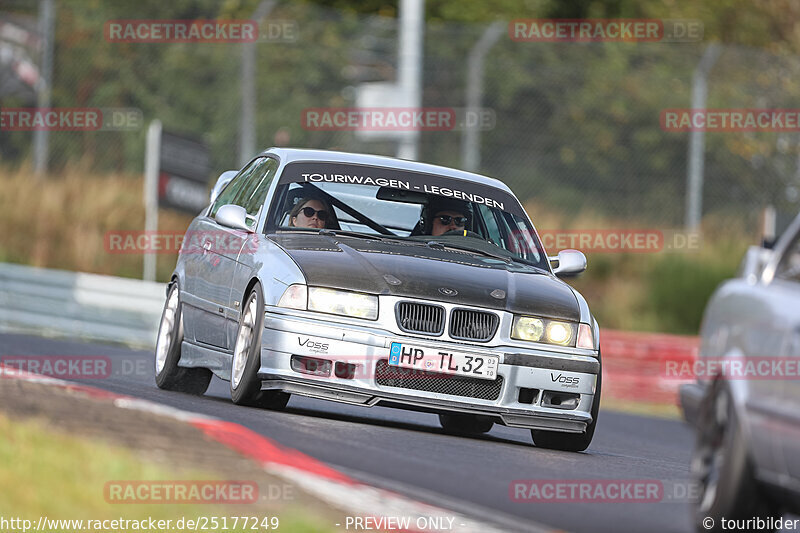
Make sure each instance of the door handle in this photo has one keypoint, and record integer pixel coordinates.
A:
(206, 246)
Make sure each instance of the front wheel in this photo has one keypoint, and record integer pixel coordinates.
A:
(245, 384)
(722, 468)
(170, 376)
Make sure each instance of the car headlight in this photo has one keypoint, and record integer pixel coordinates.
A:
(533, 329)
(347, 303)
(331, 301)
(527, 328)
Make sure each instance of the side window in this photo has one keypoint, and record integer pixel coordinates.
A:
(252, 195)
(507, 231)
(491, 226)
(789, 266)
(520, 237)
(515, 239)
(229, 193)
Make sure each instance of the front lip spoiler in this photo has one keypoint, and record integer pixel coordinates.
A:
(567, 423)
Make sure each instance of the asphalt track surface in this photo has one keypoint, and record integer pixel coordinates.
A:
(409, 453)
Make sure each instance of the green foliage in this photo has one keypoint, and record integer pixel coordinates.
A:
(576, 123)
(679, 286)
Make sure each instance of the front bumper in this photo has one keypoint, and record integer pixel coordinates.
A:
(530, 378)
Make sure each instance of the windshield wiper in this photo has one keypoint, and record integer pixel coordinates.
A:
(356, 234)
(332, 233)
(359, 235)
(443, 246)
(346, 233)
(508, 259)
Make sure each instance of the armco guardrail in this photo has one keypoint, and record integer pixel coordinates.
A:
(646, 367)
(90, 306)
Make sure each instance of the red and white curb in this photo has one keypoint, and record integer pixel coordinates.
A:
(313, 476)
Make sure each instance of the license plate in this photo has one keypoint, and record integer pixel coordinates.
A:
(444, 361)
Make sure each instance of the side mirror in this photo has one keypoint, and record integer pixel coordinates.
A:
(224, 179)
(233, 216)
(569, 263)
(753, 263)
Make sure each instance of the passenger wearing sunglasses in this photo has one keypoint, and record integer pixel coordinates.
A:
(309, 213)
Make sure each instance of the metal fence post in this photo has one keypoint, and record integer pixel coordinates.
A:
(694, 177)
(471, 138)
(247, 135)
(409, 68)
(152, 159)
(45, 88)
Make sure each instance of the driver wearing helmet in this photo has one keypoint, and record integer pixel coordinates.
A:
(445, 214)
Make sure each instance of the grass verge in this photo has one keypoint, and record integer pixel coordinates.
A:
(61, 476)
(658, 410)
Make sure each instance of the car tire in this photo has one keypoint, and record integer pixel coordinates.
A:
(459, 424)
(571, 442)
(245, 384)
(170, 376)
(722, 467)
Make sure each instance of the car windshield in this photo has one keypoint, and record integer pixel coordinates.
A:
(385, 203)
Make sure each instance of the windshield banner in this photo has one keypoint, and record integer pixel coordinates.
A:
(323, 172)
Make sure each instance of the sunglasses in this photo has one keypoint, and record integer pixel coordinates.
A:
(447, 219)
(310, 212)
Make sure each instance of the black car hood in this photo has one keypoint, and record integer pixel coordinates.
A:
(419, 271)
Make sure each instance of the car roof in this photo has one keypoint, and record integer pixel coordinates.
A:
(288, 155)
